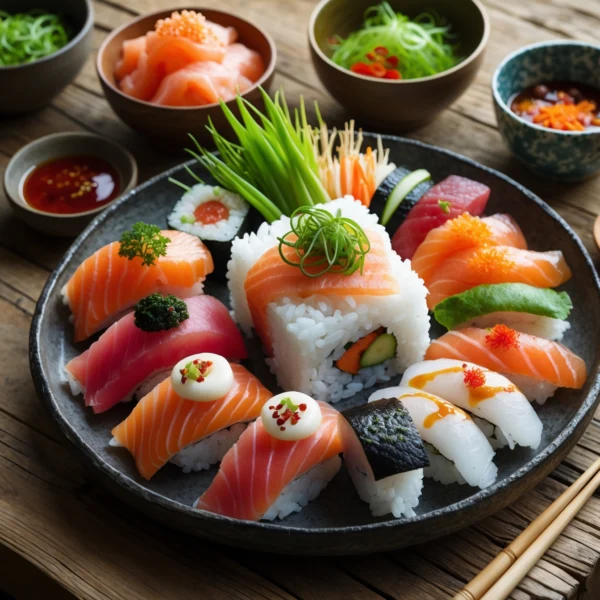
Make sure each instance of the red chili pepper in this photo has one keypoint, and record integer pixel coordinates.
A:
(370, 56)
(377, 70)
(381, 50)
(392, 61)
(393, 74)
(361, 68)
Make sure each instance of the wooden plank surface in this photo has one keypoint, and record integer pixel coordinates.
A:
(56, 523)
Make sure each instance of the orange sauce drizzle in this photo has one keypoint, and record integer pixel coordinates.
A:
(420, 381)
(444, 409)
(485, 392)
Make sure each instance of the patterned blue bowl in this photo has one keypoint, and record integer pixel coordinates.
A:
(560, 155)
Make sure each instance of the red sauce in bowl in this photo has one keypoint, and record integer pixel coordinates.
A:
(71, 185)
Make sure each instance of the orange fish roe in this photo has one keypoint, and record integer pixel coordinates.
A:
(567, 117)
(491, 260)
(474, 377)
(502, 337)
(465, 227)
(188, 24)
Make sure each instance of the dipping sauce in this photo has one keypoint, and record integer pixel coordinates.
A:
(560, 105)
(70, 185)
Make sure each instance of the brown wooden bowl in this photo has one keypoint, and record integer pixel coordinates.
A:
(406, 104)
(168, 126)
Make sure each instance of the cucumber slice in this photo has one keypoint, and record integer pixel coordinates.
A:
(379, 351)
(404, 187)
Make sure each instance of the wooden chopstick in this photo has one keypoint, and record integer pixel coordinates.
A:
(507, 569)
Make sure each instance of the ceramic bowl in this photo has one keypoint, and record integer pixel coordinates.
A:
(405, 104)
(560, 155)
(31, 86)
(169, 126)
(56, 146)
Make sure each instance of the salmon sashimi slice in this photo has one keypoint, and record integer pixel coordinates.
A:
(246, 62)
(162, 424)
(270, 278)
(130, 56)
(106, 285)
(259, 467)
(163, 56)
(495, 264)
(508, 351)
(461, 233)
(446, 200)
(124, 357)
(199, 84)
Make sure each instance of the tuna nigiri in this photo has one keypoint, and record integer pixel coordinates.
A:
(193, 434)
(461, 233)
(270, 472)
(495, 264)
(124, 357)
(106, 285)
(536, 365)
(446, 200)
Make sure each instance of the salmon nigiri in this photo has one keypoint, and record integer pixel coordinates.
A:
(495, 264)
(163, 424)
(267, 474)
(125, 356)
(106, 285)
(461, 233)
(527, 360)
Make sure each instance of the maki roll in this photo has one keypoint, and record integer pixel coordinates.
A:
(214, 215)
(535, 311)
(385, 456)
(458, 450)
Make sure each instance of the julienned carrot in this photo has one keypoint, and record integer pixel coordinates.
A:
(350, 360)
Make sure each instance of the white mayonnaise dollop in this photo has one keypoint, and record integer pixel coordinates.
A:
(204, 377)
(291, 416)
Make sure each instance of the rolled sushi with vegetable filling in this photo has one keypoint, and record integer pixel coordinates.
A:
(215, 215)
(385, 456)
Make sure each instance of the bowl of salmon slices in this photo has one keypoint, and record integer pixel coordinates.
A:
(166, 73)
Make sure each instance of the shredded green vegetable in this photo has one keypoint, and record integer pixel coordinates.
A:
(324, 242)
(424, 45)
(29, 36)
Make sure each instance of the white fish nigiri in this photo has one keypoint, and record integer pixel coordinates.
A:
(486, 394)
(466, 454)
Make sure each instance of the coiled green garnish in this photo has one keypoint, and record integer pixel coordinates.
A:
(324, 242)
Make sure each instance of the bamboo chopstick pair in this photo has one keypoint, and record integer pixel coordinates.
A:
(504, 573)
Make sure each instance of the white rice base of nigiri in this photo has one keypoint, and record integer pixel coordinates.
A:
(303, 489)
(535, 390)
(443, 470)
(544, 327)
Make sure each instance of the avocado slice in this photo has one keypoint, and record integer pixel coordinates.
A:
(379, 351)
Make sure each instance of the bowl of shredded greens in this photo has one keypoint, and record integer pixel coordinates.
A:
(398, 63)
(43, 45)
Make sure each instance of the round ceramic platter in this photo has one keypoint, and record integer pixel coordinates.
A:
(337, 522)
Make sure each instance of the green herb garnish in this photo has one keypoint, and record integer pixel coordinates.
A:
(445, 206)
(29, 36)
(287, 402)
(190, 219)
(324, 242)
(159, 313)
(145, 241)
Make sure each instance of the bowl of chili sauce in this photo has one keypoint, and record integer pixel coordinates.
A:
(547, 103)
(58, 183)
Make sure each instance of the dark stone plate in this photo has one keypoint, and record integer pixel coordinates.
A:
(337, 522)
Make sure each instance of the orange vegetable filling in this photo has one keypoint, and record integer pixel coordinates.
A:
(350, 360)
(567, 117)
(489, 261)
(502, 337)
(187, 24)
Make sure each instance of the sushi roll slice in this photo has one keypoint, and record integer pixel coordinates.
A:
(280, 463)
(535, 311)
(385, 456)
(216, 216)
(458, 450)
(330, 336)
(193, 417)
(535, 365)
(477, 390)
(125, 357)
(107, 284)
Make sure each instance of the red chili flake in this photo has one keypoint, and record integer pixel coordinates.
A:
(501, 337)
(381, 50)
(279, 406)
(392, 61)
(280, 421)
(302, 407)
(282, 428)
(393, 74)
(360, 68)
(183, 379)
(271, 408)
(377, 70)
(275, 414)
(474, 377)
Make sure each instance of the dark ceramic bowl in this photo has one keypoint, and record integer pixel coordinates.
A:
(560, 155)
(397, 105)
(169, 126)
(337, 522)
(29, 87)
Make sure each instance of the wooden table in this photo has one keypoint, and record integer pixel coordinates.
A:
(64, 534)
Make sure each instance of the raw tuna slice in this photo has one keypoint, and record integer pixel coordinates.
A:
(114, 367)
(462, 195)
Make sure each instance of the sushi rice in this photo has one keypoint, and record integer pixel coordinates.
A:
(224, 230)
